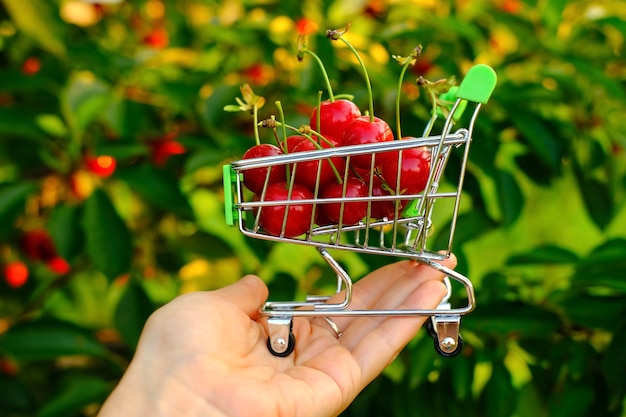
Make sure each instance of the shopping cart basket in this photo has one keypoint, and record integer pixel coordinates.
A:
(404, 233)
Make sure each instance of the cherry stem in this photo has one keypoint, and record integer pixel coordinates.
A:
(255, 112)
(282, 119)
(408, 61)
(324, 72)
(338, 35)
(433, 117)
(305, 131)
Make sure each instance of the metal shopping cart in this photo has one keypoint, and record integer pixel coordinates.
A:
(402, 234)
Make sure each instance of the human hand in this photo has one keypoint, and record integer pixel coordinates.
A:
(205, 353)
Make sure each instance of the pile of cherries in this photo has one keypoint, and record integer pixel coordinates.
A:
(333, 123)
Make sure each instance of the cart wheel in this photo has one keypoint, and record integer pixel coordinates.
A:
(285, 351)
(449, 353)
(430, 328)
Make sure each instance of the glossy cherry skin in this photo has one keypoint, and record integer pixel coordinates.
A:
(353, 211)
(298, 215)
(414, 170)
(254, 179)
(363, 131)
(335, 116)
(292, 141)
(306, 172)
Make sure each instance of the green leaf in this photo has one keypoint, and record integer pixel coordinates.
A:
(39, 20)
(499, 393)
(108, 241)
(547, 254)
(14, 395)
(159, 187)
(571, 399)
(65, 229)
(48, 339)
(18, 121)
(510, 197)
(505, 318)
(12, 204)
(598, 200)
(469, 226)
(86, 99)
(131, 313)
(591, 311)
(604, 267)
(52, 125)
(77, 392)
(614, 358)
(540, 138)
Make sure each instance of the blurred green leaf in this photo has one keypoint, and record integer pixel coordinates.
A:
(510, 197)
(547, 254)
(503, 318)
(571, 399)
(591, 311)
(14, 395)
(12, 201)
(604, 267)
(37, 19)
(540, 138)
(20, 122)
(74, 395)
(499, 395)
(52, 125)
(46, 339)
(132, 311)
(157, 186)
(598, 200)
(85, 99)
(613, 362)
(66, 231)
(108, 241)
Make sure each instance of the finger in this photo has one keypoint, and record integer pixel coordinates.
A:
(382, 344)
(248, 294)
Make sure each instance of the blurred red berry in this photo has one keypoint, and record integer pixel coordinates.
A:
(16, 274)
(58, 265)
(38, 245)
(157, 39)
(511, 6)
(305, 26)
(31, 66)
(164, 147)
(102, 165)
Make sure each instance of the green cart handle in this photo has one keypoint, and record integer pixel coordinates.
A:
(229, 176)
(478, 84)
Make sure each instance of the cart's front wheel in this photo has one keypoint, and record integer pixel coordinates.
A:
(281, 347)
(449, 348)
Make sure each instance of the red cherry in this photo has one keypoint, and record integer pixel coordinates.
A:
(363, 131)
(38, 245)
(102, 165)
(292, 141)
(254, 179)
(157, 39)
(306, 172)
(414, 170)
(31, 66)
(335, 116)
(382, 208)
(162, 148)
(353, 211)
(298, 215)
(58, 265)
(16, 274)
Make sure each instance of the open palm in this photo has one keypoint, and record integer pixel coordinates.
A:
(205, 353)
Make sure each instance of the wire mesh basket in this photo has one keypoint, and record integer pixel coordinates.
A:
(392, 220)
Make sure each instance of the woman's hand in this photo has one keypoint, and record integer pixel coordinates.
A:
(205, 353)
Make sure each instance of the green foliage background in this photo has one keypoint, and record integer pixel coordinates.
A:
(542, 232)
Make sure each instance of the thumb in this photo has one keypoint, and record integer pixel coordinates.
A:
(248, 294)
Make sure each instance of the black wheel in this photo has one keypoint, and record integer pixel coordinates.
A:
(430, 328)
(449, 354)
(291, 345)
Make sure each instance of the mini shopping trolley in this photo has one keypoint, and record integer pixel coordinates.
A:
(404, 234)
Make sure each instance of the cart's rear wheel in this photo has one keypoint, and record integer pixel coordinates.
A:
(285, 351)
(453, 351)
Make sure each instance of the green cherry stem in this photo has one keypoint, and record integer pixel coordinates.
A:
(307, 132)
(407, 61)
(319, 62)
(338, 35)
